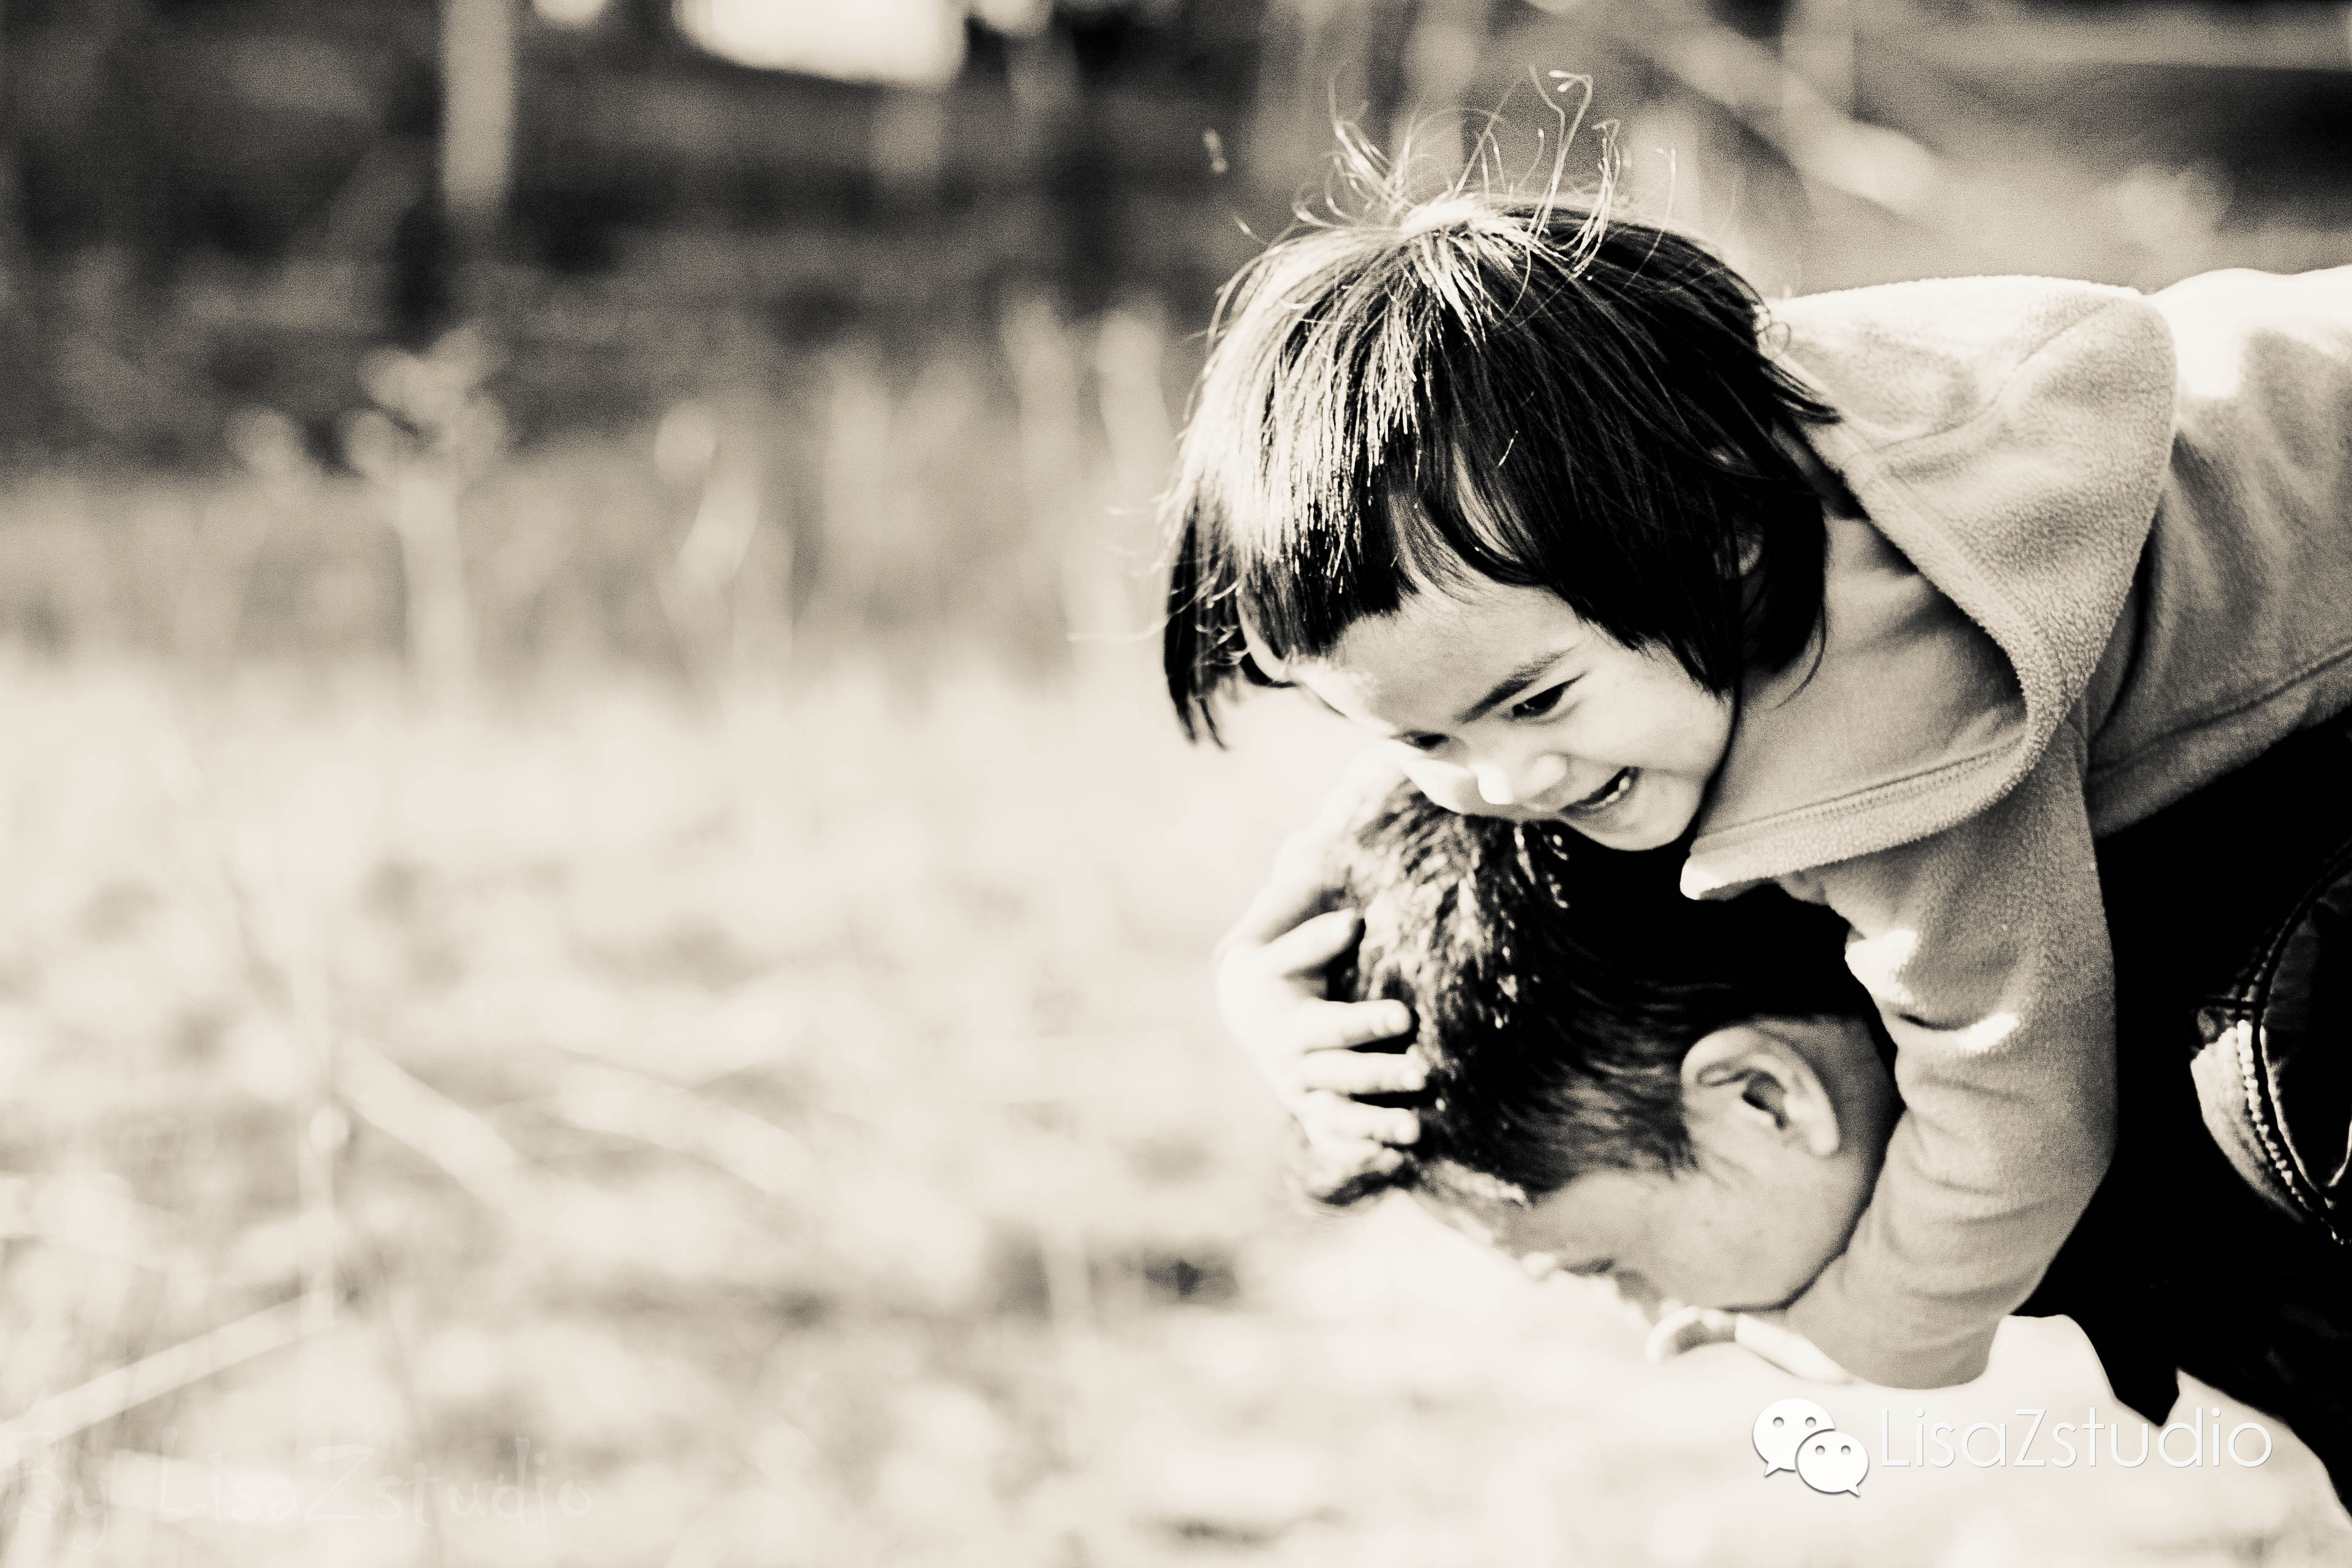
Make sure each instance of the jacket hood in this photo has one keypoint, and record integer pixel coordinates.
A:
(2008, 439)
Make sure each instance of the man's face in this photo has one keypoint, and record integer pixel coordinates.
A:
(1502, 701)
(1774, 1195)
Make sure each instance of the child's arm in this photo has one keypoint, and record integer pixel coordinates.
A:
(1271, 991)
(1986, 947)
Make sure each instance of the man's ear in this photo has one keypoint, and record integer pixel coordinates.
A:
(1746, 1078)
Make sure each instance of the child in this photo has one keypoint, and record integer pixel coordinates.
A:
(1897, 597)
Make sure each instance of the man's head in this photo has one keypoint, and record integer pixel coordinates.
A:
(1690, 1096)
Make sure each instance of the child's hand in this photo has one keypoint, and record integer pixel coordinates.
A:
(1764, 1334)
(1271, 989)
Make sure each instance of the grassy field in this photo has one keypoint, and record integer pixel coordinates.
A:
(610, 1131)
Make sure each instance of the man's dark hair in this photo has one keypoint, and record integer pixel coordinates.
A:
(1557, 986)
(1414, 396)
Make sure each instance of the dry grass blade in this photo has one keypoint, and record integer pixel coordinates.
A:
(606, 1100)
(111, 1393)
(468, 1148)
(89, 1216)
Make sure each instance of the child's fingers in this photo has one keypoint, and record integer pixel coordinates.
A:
(1332, 1119)
(1311, 944)
(1327, 1028)
(1363, 1072)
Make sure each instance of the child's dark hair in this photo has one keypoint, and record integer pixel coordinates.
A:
(1558, 986)
(1520, 390)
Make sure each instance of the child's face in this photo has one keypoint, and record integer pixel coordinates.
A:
(1502, 701)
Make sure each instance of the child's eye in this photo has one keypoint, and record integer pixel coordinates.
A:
(1541, 703)
(1422, 742)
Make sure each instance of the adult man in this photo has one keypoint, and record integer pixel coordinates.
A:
(1693, 1099)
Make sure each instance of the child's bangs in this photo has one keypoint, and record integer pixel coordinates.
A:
(1376, 459)
(1303, 579)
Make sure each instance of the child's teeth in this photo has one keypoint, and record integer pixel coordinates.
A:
(1608, 794)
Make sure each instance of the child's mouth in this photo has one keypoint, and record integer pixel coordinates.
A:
(1619, 784)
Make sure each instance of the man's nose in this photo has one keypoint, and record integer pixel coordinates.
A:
(1636, 1291)
(1631, 1288)
(1514, 782)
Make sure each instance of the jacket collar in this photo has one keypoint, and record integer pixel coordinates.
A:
(2006, 439)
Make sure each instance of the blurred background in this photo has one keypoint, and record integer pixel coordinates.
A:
(601, 931)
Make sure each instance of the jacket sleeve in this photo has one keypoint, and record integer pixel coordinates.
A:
(1985, 947)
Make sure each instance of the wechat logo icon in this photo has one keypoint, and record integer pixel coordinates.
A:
(1799, 1434)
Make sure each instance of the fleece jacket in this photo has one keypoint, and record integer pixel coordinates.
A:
(2099, 554)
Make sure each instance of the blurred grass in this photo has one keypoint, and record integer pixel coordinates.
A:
(798, 1134)
(641, 999)
(873, 946)
(937, 505)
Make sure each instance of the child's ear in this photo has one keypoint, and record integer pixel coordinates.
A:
(1751, 549)
(1268, 662)
(1746, 1078)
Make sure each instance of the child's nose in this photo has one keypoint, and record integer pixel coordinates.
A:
(1515, 783)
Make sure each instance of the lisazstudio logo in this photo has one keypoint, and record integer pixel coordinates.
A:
(1799, 1434)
